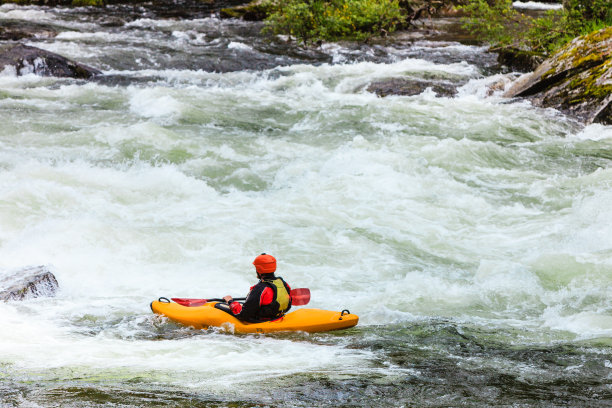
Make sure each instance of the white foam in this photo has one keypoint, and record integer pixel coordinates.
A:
(534, 5)
(336, 51)
(51, 351)
(99, 36)
(9, 71)
(591, 218)
(68, 49)
(150, 23)
(595, 132)
(584, 324)
(235, 45)
(398, 208)
(14, 12)
(493, 86)
(43, 15)
(155, 103)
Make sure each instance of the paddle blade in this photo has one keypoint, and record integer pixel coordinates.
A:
(300, 296)
(190, 302)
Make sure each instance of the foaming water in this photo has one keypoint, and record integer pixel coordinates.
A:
(535, 5)
(462, 229)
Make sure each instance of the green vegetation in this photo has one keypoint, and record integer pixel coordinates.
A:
(312, 20)
(499, 23)
(85, 3)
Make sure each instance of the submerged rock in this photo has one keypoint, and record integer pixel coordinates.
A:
(30, 282)
(409, 87)
(24, 59)
(17, 30)
(576, 80)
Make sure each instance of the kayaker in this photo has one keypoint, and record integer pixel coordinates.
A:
(268, 300)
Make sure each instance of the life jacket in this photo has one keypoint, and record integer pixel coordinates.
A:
(281, 302)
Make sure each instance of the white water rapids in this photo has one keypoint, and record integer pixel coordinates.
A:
(401, 209)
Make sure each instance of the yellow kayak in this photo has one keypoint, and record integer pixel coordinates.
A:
(307, 320)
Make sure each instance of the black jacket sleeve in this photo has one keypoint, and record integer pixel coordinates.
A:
(250, 307)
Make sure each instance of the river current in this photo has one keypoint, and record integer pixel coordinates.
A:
(472, 235)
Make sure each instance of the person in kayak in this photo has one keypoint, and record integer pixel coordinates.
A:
(268, 300)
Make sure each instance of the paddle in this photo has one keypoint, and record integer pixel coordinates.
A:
(197, 302)
(299, 297)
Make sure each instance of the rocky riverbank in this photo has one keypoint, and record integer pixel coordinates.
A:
(257, 10)
(576, 80)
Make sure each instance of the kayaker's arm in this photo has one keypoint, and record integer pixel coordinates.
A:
(250, 307)
(234, 306)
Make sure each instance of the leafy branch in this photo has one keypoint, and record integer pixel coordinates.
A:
(504, 27)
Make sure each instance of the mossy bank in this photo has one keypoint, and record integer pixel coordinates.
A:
(576, 80)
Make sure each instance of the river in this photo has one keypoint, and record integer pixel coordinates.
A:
(472, 235)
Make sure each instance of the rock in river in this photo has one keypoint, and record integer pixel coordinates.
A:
(409, 87)
(18, 30)
(577, 79)
(27, 283)
(24, 59)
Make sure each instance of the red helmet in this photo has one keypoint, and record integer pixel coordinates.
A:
(265, 263)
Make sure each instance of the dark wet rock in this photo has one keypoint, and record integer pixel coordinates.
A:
(25, 60)
(176, 9)
(30, 282)
(577, 80)
(409, 87)
(18, 30)
(256, 10)
(124, 80)
(519, 60)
